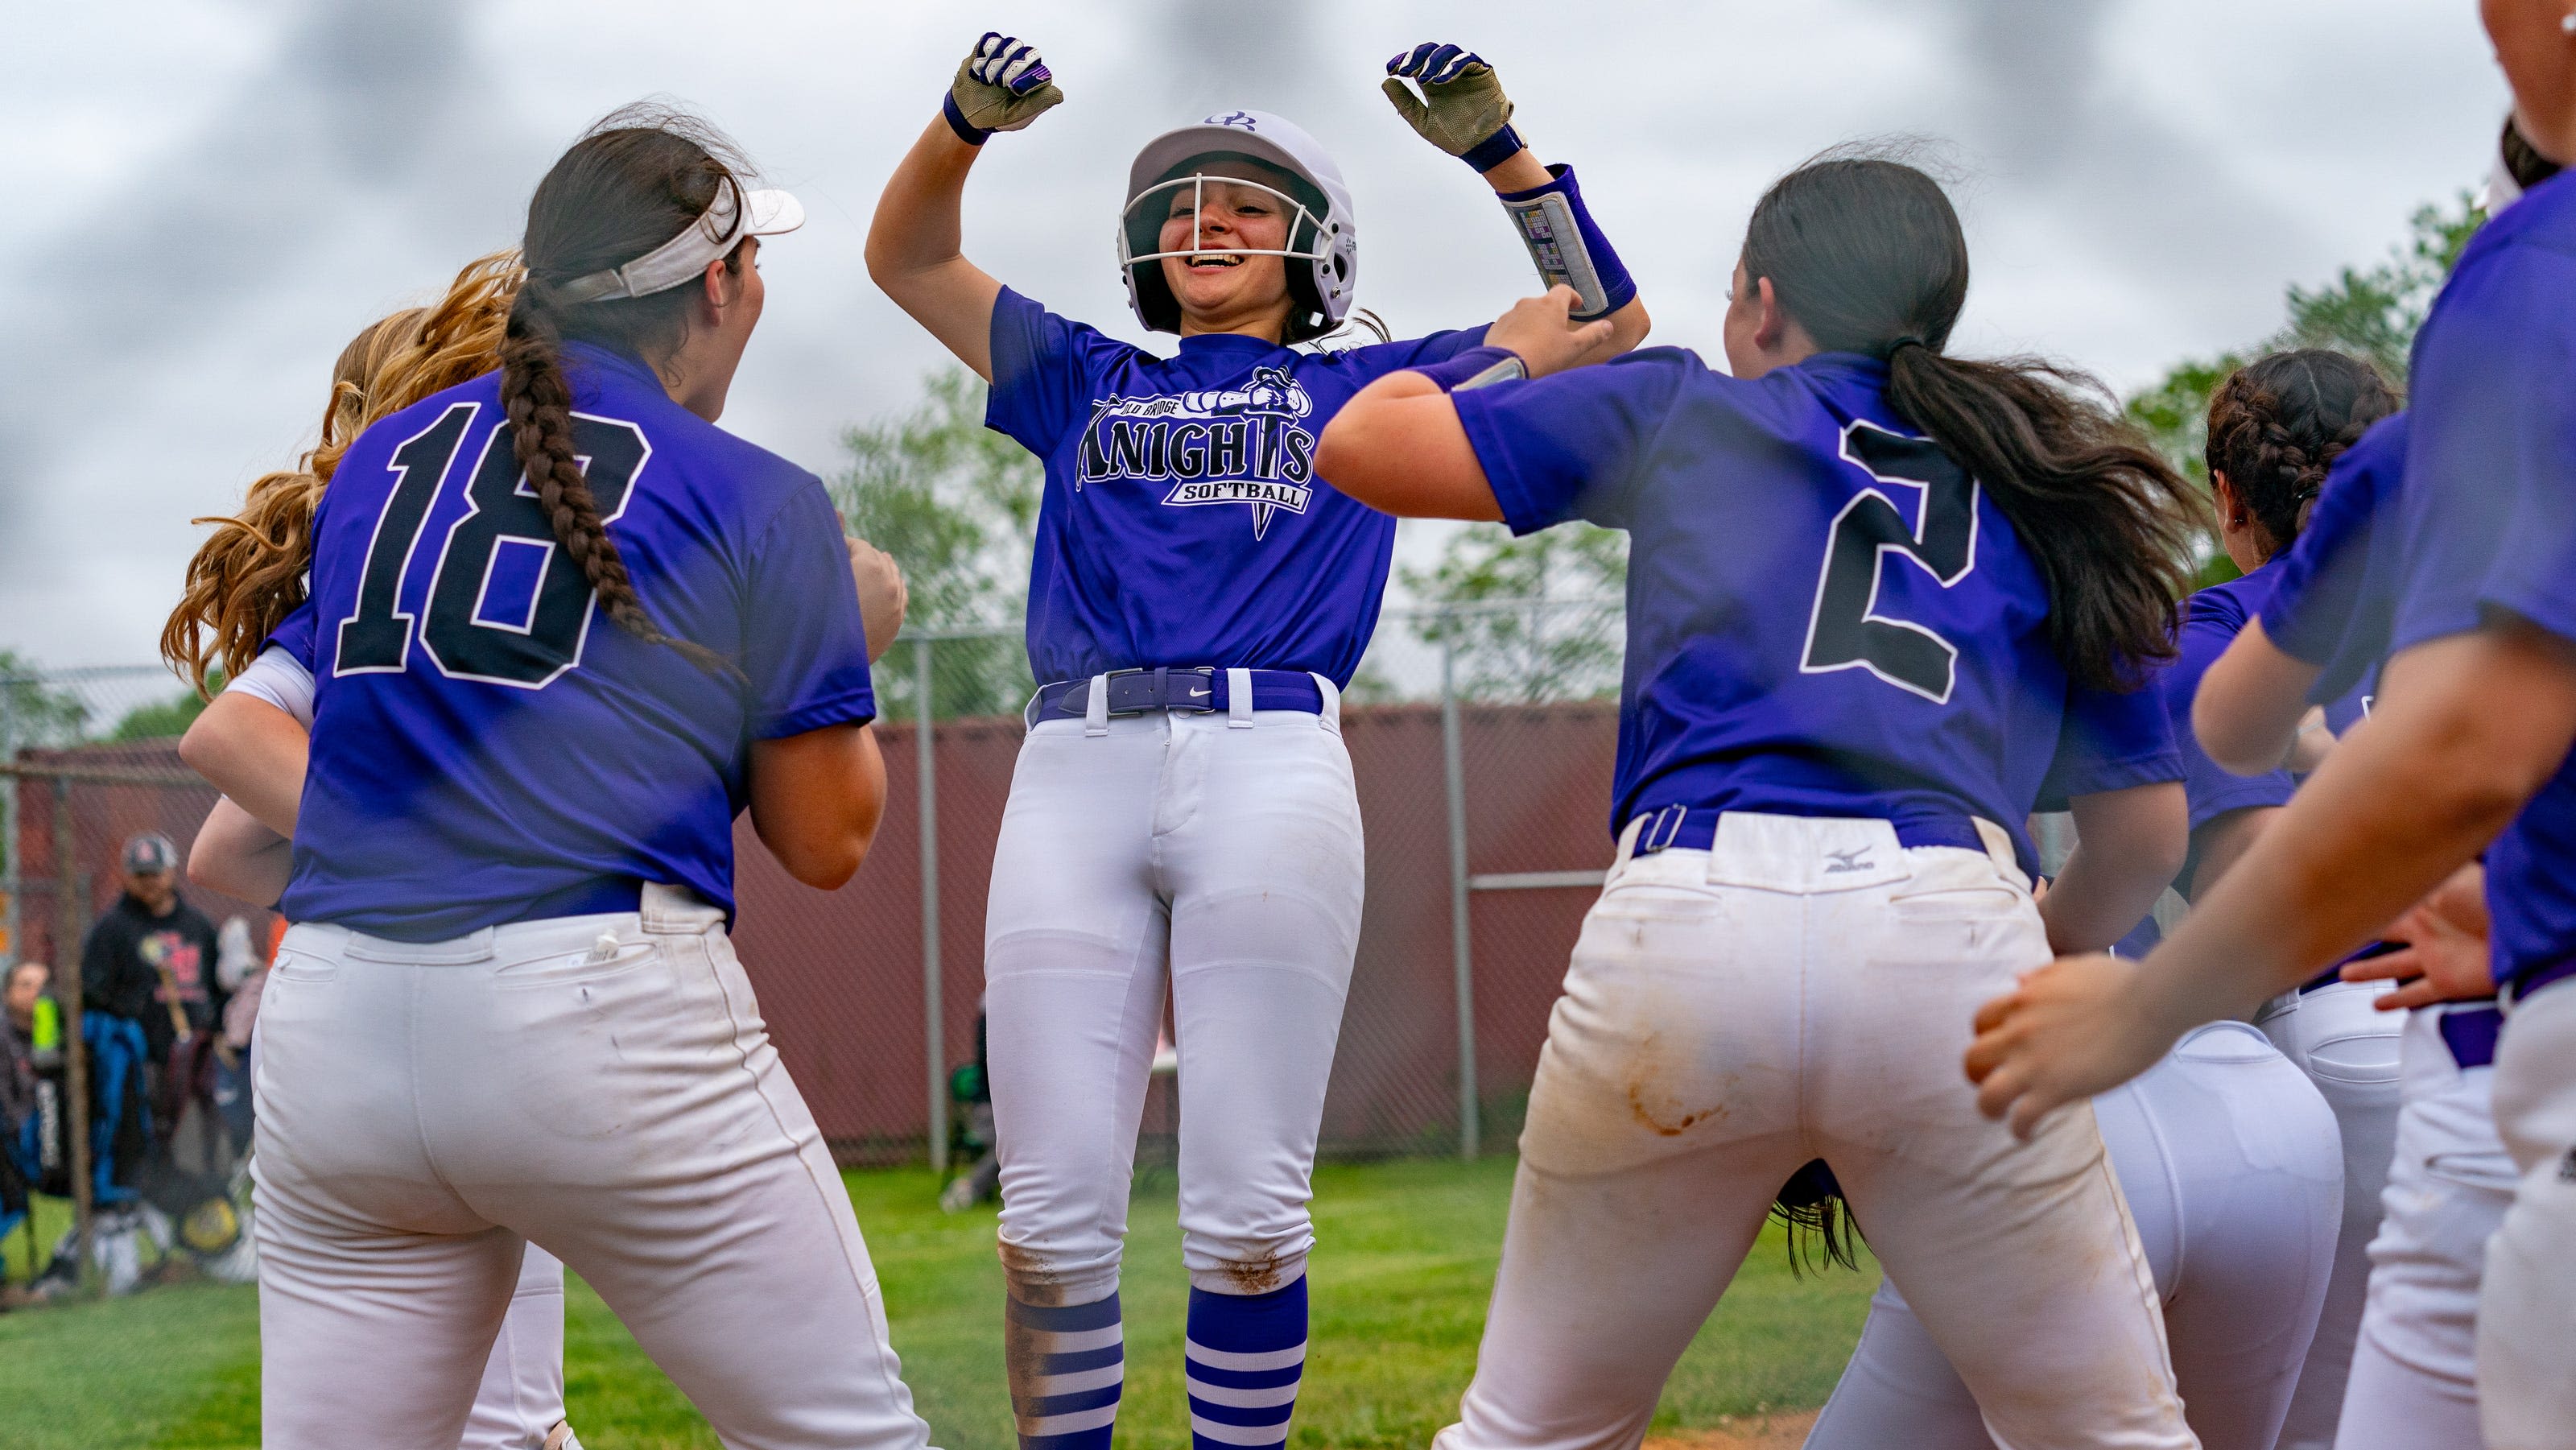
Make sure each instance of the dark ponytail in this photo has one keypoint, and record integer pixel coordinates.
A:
(2278, 423)
(1866, 253)
(2522, 162)
(631, 184)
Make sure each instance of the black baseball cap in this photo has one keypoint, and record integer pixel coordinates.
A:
(149, 854)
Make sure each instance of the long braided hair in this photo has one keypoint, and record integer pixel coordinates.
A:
(629, 185)
(249, 575)
(2278, 424)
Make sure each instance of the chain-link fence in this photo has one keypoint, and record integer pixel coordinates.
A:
(1480, 737)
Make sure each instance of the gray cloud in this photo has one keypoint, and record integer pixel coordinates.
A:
(2141, 181)
(362, 100)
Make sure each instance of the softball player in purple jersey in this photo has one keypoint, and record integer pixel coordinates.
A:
(508, 1010)
(2229, 1157)
(2468, 748)
(1183, 806)
(1857, 657)
(2323, 631)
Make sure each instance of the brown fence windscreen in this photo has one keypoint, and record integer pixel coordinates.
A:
(841, 974)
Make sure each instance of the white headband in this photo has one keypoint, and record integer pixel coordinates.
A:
(683, 257)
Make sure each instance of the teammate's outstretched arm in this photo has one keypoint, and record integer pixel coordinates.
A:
(1398, 446)
(2473, 725)
(2128, 845)
(1462, 110)
(915, 244)
(2248, 712)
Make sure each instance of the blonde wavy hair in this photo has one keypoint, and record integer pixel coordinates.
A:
(249, 576)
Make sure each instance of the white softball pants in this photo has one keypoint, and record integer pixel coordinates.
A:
(2414, 1372)
(521, 1395)
(1226, 854)
(1803, 990)
(2527, 1309)
(601, 1085)
(2348, 1048)
(2233, 1172)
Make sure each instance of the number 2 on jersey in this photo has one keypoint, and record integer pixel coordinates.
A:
(535, 630)
(1845, 630)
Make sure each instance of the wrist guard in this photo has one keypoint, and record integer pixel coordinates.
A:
(1568, 247)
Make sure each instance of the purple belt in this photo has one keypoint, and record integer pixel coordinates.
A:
(2470, 1033)
(2538, 977)
(1191, 690)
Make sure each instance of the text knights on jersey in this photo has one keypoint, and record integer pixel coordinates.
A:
(1232, 446)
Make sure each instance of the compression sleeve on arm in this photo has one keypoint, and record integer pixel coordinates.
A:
(1568, 247)
(280, 679)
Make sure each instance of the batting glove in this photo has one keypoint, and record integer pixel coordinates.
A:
(1000, 86)
(1462, 108)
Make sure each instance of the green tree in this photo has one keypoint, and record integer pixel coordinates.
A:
(2370, 312)
(32, 714)
(166, 719)
(1533, 618)
(957, 506)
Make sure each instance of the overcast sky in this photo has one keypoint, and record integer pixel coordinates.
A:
(214, 194)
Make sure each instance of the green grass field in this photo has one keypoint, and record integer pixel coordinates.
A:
(1399, 1283)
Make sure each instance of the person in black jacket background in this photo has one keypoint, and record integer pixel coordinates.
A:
(150, 958)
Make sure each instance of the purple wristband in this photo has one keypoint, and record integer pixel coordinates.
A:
(967, 131)
(1494, 150)
(1475, 367)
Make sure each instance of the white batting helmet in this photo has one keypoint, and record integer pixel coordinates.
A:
(1324, 234)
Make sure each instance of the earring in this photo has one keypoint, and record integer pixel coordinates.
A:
(2567, 23)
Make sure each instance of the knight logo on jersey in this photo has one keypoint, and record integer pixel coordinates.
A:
(1235, 446)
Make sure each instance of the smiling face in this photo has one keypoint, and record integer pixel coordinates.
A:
(1222, 287)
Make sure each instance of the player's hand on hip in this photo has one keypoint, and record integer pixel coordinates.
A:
(2444, 955)
(1002, 85)
(2068, 1030)
(1462, 103)
(882, 593)
(1543, 331)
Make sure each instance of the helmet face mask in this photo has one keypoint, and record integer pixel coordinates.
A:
(1192, 200)
(1319, 251)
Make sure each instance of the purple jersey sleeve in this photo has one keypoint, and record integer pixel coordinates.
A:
(805, 647)
(1043, 371)
(1377, 359)
(2493, 523)
(2335, 586)
(2211, 621)
(294, 634)
(2111, 740)
(1575, 444)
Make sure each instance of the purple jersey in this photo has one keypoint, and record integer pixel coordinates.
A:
(488, 746)
(2488, 513)
(2212, 618)
(1183, 523)
(1826, 615)
(2335, 593)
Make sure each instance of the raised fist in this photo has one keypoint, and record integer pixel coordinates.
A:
(1002, 85)
(1462, 102)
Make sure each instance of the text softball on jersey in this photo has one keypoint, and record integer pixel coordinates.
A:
(1246, 446)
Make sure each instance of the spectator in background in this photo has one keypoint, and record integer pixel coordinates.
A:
(240, 971)
(29, 1031)
(150, 959)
